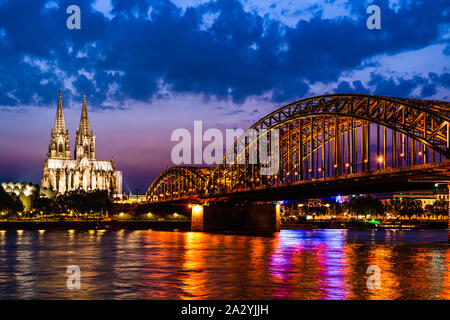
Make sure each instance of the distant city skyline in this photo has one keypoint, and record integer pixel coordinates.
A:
(150, 67)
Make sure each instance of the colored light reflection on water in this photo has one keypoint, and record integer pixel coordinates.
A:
(293, 264)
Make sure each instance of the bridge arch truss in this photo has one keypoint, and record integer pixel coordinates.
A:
(338, 134)
(318, 138)
(179, 182)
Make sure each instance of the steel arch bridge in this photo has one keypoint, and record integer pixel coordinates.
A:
(337, 136)
(179, 182)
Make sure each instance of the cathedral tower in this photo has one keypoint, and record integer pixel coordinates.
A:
(62, 174)
(59, 147)
(85, 139)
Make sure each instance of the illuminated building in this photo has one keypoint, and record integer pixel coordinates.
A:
(84, 172)
(23, 190)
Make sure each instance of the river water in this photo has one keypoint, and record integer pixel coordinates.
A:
(293, 264)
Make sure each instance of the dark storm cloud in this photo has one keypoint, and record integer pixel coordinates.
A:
(149, 44)
(428, 90)
(397, 87)
(401, 88)
(355, 87)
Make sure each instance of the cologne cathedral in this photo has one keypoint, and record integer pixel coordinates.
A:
(63, 174)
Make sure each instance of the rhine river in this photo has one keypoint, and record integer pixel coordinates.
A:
(293, 264)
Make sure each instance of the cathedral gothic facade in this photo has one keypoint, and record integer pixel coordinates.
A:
(63, 174)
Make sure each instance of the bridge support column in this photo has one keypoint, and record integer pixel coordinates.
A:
(448, 219)
(264, 218)
(197, 218)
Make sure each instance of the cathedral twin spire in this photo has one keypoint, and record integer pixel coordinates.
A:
(84, 121)
(63, 173)
(85, 140)
(59, 142)
(59, 147)
(60, 124)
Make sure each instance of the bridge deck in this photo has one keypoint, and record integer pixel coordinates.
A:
(387, 180)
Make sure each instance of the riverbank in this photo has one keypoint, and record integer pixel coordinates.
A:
(360, 225)
(96, 225)
(186, 225)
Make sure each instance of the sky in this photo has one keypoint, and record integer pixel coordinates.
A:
(149, 67)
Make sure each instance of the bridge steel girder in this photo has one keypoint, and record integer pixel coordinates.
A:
(178, 182)
(321, 138)
(381, 181)
(420, 121)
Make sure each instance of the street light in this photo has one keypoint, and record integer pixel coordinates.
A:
(327, 205)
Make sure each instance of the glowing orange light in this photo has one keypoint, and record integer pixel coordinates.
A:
(196, 210)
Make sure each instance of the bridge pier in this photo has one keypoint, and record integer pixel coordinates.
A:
(264, 218)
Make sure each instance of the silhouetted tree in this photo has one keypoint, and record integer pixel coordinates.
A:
(85, 202)
(428, 210)
(11, 204)
(365, 206)
(405, 207)
(411, 207)
(394, 206)
(440, 207)
(46, 206)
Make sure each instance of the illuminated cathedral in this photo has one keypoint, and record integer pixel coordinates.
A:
(63, 174)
